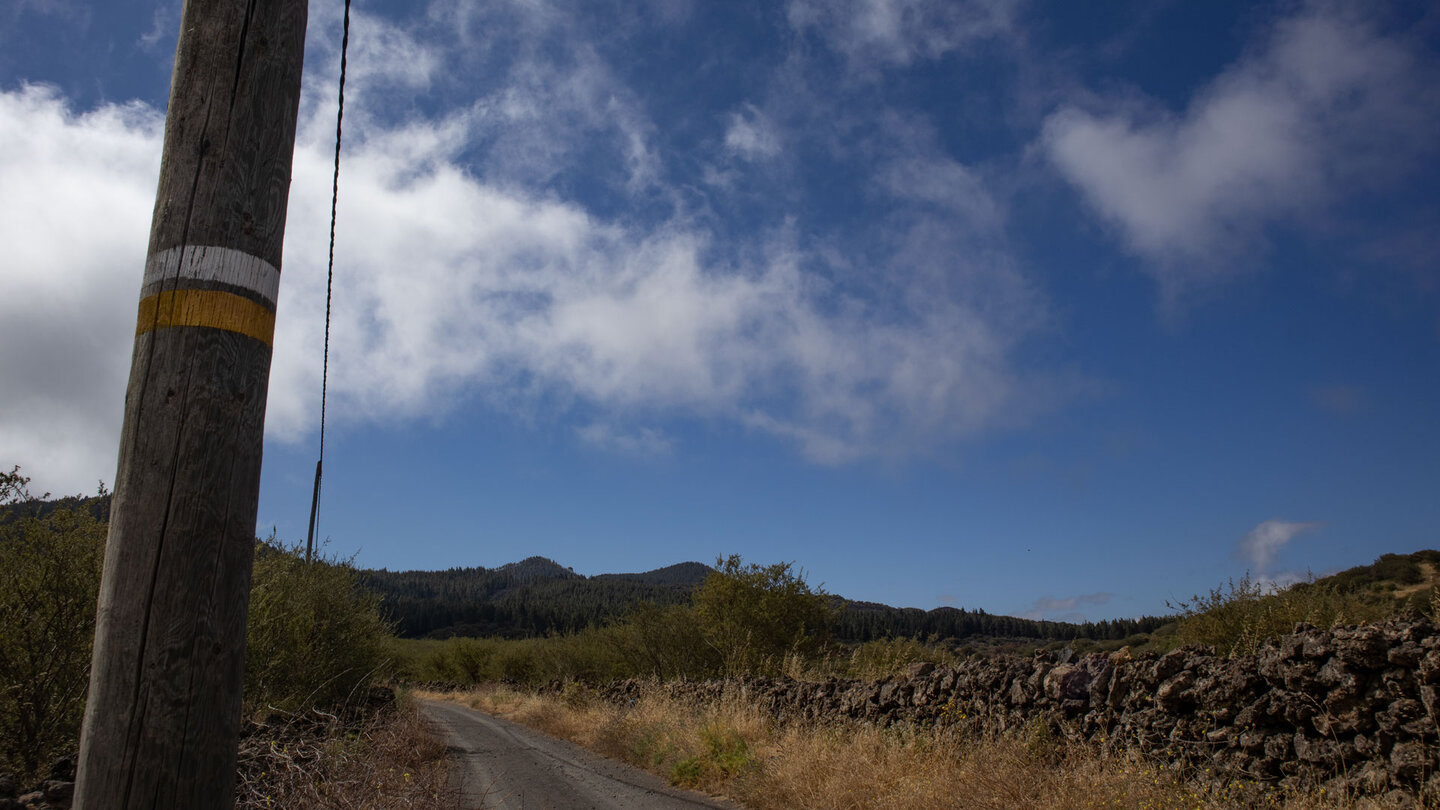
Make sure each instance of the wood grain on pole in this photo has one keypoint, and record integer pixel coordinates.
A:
(163, 713)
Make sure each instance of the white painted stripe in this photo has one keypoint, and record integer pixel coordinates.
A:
(209, 263)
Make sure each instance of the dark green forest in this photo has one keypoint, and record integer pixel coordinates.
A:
(867, 621)
(538, 597)
(532, 598)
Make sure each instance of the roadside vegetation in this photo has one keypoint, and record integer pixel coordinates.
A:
(321, 734)
(50, 565)
(1238, 617)
(748, 619)
(733, 750)
(377, 760)
(318, 732)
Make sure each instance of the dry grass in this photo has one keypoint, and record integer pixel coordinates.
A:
(733, 750)
(312, 761)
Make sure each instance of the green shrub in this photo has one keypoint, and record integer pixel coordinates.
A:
(1388, 569)
(753, 616)
(593, 655)
(463, 661)
(666, 643)
(726, 754)
(315, 637)
(651, 749)
(49, 582)
(409, 656)
(518, 661)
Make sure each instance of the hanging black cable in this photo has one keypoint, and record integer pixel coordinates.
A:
(329, 283)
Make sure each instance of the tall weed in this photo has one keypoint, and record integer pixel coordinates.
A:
(1239, 617)
(49, 581)
(315, 637)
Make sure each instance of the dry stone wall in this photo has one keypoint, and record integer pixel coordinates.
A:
(1355, 707)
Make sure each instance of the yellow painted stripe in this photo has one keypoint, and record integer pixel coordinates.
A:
(210, 308)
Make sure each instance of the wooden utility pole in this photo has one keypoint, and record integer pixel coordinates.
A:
(163, 714)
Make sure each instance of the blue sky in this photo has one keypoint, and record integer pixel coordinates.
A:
(1046, 308)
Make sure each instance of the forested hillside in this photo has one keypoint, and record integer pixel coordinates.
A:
(867, 621)
(688, 574)
(536, 597)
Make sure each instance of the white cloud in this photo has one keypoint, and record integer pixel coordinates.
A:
(899, 32)
(1262, 543)
(74, 220)
(512, 293)
(457, 287)
(502, 287)
(1327, 104)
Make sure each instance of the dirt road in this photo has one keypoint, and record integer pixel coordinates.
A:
(499, 765)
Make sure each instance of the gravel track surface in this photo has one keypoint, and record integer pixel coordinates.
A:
(498, 765)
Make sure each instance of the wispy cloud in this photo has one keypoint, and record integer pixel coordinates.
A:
(750, 135)
(1046, 606)
(162, 29)
(644, 443)
(1263, 543)
(880, 33)
(1327, 104)
(544, 100)
(912, 166)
